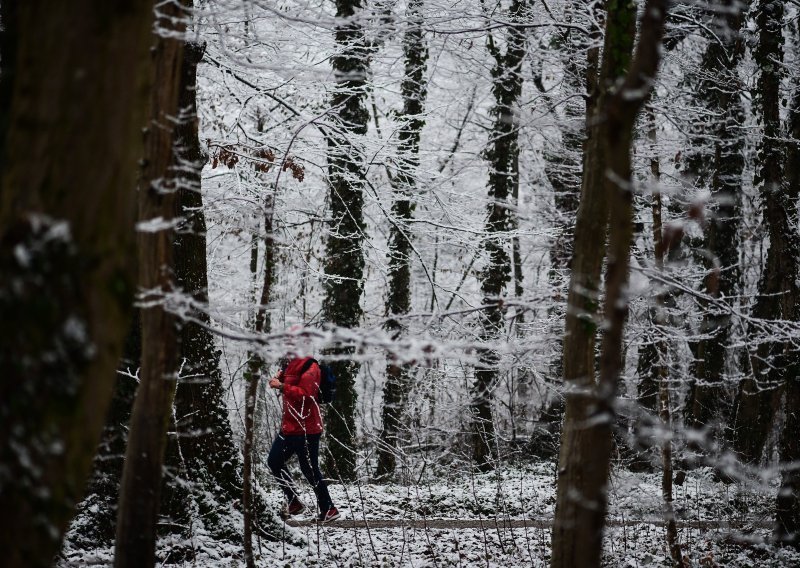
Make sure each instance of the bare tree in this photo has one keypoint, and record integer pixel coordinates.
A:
(205, 437)
(586, 440)
(344, 263)
(140, 488)
(398, 300)
(759, 395)
(787, 527)
(502, 153)
(254, 375)
(719, 166)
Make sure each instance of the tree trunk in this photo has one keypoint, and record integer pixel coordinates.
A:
(67, 69)
(787, 527)
(502, 153)
(140, 488)
(586, 440)
(398, 301)
(565, 175)
(759, 395)
(787, 507)
(254, 375)
(719, 92)
(344, 262)
(571, 541)
(662, 353)
(96, 519)
(204, 430)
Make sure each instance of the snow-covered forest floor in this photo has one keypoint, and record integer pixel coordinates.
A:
(634, 538)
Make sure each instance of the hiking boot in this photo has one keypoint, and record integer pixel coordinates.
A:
(295, 507)
(330, 515)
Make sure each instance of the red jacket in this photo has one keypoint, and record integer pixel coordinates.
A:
(301, 413)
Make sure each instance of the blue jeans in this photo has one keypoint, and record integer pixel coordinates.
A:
(307, 450)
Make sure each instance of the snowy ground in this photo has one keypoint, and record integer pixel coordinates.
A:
(513, 493)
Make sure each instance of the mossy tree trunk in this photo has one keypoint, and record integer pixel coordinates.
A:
(204, 431)
(71, 72)
(719, 91)
(140, 489)
(344, 257)
(586, 440)
(398, 300)
(759, 395)
(502, 153)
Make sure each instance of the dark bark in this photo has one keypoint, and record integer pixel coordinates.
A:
(502, 153)
(572, 540)
(652, 367)
(204, 432)
(787, 507)
(8, 62)
(586, 440)
(97, 513)
(69, 207)
(719, 166)
(564, 169)
(140, 489)
(254, 374)
(647, 371)
(787, 528)
(660, 366)
(344, 259)
(758, 397)
(398, 300)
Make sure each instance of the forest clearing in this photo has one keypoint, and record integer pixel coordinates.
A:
(400, 283)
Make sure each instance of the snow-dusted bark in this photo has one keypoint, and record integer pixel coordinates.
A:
(404, 185)
(207, 447)
(759, 395)
(585, 456)
(720, 166)
(140, 488)
(74, 104)
(344, 263)
(503, 157)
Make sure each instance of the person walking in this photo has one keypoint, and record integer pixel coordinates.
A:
(300, 433)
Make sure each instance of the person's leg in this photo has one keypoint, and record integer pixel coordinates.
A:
(279, 454)
(308, 456)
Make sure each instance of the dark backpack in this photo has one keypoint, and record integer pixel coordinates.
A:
(327, 381)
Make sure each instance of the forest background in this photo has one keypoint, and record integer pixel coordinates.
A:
(522, 234)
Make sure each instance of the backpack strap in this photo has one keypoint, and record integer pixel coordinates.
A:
(307, 365)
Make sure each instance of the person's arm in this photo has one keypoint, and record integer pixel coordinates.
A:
(308, 385)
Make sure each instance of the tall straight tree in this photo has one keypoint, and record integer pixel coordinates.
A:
(140, 488)
(787, 526)
(563, 164)
(586, 438)
(398, 300)
(344, 262)
(255, 368)
(721, 167)
(503, 154)
(70, 70)
(204, 430)
(564, 167)
(758, 397)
